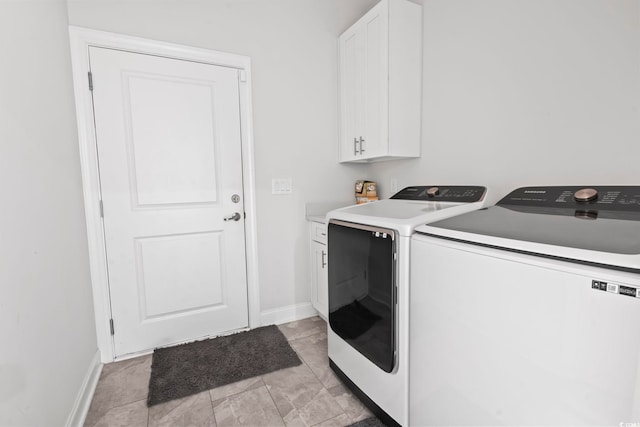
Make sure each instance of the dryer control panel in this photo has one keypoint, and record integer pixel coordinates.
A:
(442, 193)
(594, 198)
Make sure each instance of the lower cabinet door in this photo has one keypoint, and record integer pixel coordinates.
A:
(320, 278)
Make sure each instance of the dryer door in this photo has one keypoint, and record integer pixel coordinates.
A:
(362, 296)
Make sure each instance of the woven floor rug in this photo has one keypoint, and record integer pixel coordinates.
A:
(188, 369)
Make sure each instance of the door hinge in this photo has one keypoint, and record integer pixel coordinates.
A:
(111, 326)
(101, 209)
(90, 81)
(243, 75)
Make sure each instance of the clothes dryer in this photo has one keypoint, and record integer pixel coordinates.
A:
(368, 252)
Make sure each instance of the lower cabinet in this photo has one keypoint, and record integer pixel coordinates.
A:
(319, 269)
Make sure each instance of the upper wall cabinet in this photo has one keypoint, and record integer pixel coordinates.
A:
(380, 84)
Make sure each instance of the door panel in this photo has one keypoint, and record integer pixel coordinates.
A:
(173, 158)
(192, 260)
(169, 148)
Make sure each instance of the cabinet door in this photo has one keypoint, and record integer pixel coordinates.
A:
(351, 45)
(380, 84)
(320, 279)
(374, 80)
(364, 86)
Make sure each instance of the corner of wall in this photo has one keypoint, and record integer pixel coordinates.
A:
(85, 394)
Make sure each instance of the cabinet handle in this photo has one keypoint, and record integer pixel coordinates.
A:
(324, 264)
(355, 146)
(361, 149)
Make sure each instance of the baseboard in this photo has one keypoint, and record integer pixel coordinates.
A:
(286, 314)
(85, 394)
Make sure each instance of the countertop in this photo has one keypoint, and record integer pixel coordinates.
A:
(318, 211)
(317, 218)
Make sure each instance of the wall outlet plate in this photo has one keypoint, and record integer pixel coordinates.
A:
(393, 186)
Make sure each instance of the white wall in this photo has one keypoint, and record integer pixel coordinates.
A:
(293, 48)
(47, 331)
(517, 92)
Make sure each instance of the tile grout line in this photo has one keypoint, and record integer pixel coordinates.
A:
(274, 403)
(128, 403)
(213, 409)
(319, 380)
(232, 394)
(306, 336)
(311, 370)
(120, 406)
(267, 385)
(340, 383)
(212, 401)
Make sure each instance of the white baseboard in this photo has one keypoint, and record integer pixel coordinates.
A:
(286, 314)
(85, 394)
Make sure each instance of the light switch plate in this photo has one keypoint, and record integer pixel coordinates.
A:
(281, 186)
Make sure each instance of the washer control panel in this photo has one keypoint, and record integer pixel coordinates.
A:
(610, 198)
(442, 193)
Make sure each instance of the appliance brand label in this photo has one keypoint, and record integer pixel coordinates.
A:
(614, 288)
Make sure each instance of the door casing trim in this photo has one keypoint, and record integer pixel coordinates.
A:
(81, 39)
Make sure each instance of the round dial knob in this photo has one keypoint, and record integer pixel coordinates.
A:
(433, 191)
(586, 194)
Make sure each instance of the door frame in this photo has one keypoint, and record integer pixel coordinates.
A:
(81, 39)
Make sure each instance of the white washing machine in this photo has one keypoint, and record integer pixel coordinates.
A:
(528, 312)
(368, 249)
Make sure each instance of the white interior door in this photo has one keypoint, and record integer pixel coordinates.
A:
(169, 152)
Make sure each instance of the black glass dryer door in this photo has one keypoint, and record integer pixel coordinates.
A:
(362, 289)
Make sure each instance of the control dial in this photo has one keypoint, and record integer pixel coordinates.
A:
(586, 194)
(433, 191)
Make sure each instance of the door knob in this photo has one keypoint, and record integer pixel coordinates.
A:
(234, 217)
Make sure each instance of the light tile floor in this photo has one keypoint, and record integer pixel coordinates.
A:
(305, 395)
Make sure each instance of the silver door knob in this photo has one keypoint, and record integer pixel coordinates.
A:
(235, 217)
